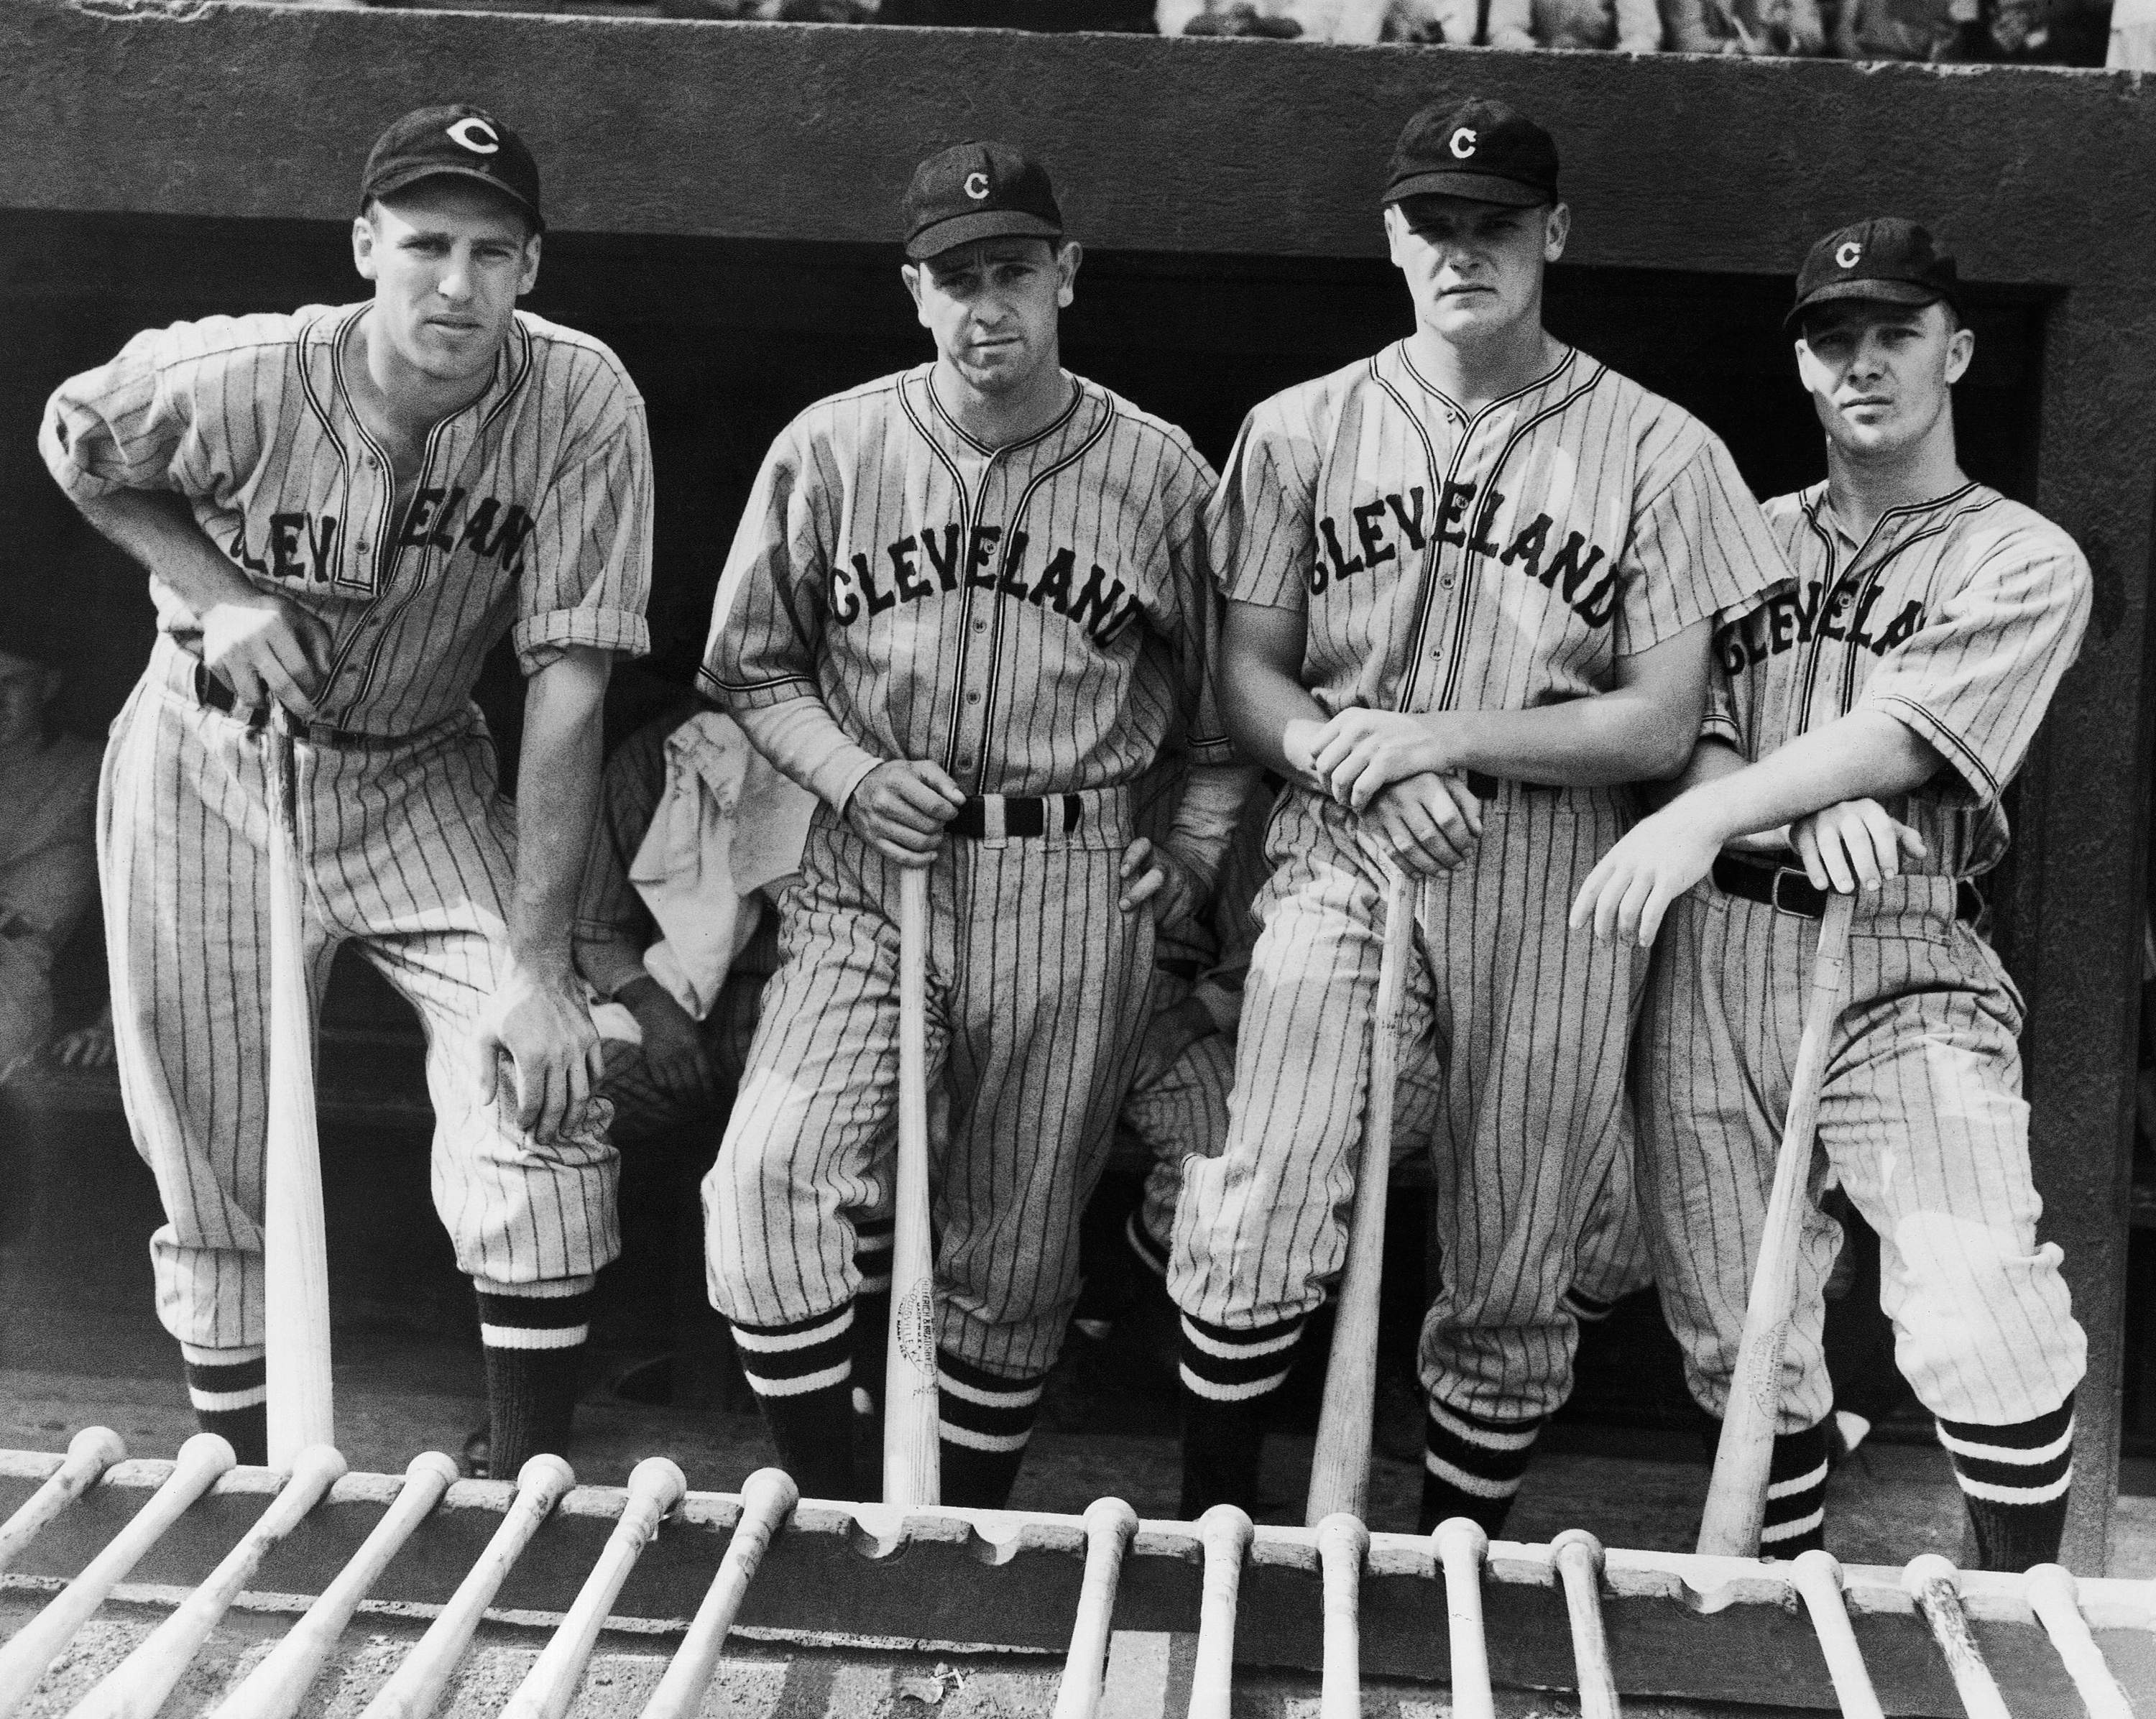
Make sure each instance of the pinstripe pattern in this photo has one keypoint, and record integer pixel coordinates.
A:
(1035, 619)
(1031, 1040)
(405, 847)
(531, 514)
(1529, 1026)
(1921, 1119)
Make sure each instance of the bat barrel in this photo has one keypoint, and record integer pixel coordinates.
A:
(89, 1452)
(767, 1499)
(1578, 1557)
(1342, 1543)
(912, 1459)
(2054, 1596)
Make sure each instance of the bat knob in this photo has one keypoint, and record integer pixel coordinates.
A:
(2054, 1582)
(545, 1473)
(317, 1468)
(1460, 1538)
(1225, 1531)
(1342, 1535)
(1584, 1546)
(1820, 1565)
(1925, 1568)
(207, 1453)
(99, 1444)
(434, 1463)
(771, 1490)
(660, 1479)
(1107, 1518)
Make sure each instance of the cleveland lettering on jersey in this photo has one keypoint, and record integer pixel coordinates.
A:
(302, 545)
(931, 562)
(1456, 524)
(1794, 614)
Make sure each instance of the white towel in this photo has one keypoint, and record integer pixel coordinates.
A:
(727, 825)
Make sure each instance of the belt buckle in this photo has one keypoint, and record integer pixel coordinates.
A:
(1783, 873)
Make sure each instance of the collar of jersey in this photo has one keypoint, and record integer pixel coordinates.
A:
(512, 365)
(1430, 388)
(1079, 392)
(1819, 508)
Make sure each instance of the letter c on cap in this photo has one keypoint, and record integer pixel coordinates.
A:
(1848, 255)
(977, 187)
(1463, 143)
(461, 132)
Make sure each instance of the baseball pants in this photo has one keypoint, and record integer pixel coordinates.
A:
(404, 846)
(1921, 1119)
(1527, 1022)
(1037, 1001)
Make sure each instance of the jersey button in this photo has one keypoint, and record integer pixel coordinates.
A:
(1447, 582)
(973, 697)
(980, 626)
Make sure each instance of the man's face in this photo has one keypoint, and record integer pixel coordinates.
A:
(26, 688)
(1880, 375)
(993, 307)
(1474, 269)
(448, 260)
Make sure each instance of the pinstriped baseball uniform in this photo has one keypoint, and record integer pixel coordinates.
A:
(1037, 619)
(531, 516)
(1957, 617)
(1444, 560)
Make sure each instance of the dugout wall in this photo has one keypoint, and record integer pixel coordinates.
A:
(722, 198)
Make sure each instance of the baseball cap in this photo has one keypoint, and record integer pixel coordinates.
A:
(1486, 150)
(1886, 259)
(975, 191)
(459, 140)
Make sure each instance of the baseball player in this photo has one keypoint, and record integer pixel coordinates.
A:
(1868, 716)
(1469, 586)
(967, 607)
(341, 511)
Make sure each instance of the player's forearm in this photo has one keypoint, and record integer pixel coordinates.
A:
(1867, 755)
(1607, 738)
(1206, 816)
(805, 744)
(558, 797)
(1260, 697)
(155, 529)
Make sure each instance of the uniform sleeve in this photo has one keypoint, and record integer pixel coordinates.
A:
(1975, 677)
(612, 923)
(768, 628)
(160, 415)
(1701, 547)
(1260, 532)
(586, 571)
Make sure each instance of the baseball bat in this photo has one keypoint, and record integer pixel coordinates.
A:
(656, 1486)
(142, 1682)
(1817, 1578)
(1935, 1585)
(275, 1687)
(415, 1688)
(1578, 1555)
(34, 1647)
(913, 1461)
(1342, 1542)
(1109, 1525)
(295, 1325)
(1461, 1546)
(1737, 1496)
(1340, 1461)
(767, 1499)
(2054, 1596)
(1225, 1533)
(89, 1452)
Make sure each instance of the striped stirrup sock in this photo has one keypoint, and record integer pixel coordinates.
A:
(1472, 1465)
(1228, 1375)
(534, 1335)
(986, 1421)
(2014, 1480)
(1796, 1495)
(803, 1378)
(230, 1395)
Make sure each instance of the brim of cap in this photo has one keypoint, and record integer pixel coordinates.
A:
(1880, 292)
(1476, 187)
(971, 229)
(390, 183)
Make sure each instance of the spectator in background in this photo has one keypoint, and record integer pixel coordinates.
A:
(1629, 26)
(48, 853)
(1756, 28)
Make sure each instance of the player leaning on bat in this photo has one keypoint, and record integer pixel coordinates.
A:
(1471, 582)
(967, 609)
(341, 511)
(1868, 715)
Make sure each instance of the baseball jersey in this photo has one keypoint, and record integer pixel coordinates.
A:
(1498, 559)
(531, 511)
(1035, 619)
(1958, 617)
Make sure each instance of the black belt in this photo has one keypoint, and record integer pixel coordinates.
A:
(213, 694)
(1787, 890)
(1023, 816)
